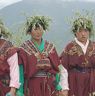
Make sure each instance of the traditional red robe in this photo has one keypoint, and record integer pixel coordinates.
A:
(81, 69)
(30, 57)
(6, 51)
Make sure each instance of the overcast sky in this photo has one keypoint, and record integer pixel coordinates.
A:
(4, 3)
(79, 0)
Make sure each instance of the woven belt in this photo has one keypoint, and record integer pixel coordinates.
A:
(81, 69)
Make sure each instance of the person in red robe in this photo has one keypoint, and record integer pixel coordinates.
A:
(78, 58)
(39, 58)
(9, 70)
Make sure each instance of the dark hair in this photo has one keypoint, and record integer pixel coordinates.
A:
(37, 25)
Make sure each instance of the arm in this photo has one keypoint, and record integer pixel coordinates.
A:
(14, 73)
(63, 81)
(63, 78)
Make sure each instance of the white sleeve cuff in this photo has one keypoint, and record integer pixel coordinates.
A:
(63, 78)
(14, 84)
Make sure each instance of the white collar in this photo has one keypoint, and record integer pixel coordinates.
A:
(84, 47)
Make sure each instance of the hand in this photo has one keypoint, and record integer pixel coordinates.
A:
(40, 66)
(13, 91)
(63, 93)
(43, 66)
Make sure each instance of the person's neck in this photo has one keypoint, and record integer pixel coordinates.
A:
(37, 41)
(84, 43)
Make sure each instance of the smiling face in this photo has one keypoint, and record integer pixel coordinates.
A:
(82, 35)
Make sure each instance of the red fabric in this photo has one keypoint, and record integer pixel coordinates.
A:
(41, 86)
(3, 89)
(30, 62)
(6, 51)
(80, 83)
(30, 69)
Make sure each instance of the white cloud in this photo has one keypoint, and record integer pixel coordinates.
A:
(4, 3)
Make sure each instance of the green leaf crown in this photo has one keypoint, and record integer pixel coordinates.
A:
(82, 23)
(43, 21)
(4, 31)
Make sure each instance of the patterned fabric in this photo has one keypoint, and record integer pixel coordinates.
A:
(3, 56)
(7, 49)
(6, 53)
(30, 48)
(42, 59)
(81, 68)
(33, 60)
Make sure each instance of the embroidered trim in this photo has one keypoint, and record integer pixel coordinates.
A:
(7, 45)
(30, 48)
(75, 49)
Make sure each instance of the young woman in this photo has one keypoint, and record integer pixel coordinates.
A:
(39, 58)
(79, 59)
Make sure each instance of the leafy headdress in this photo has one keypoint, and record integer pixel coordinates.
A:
(37, 21)
(83, 22)
(3, 31)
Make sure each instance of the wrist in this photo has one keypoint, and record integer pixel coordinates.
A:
(13, 90)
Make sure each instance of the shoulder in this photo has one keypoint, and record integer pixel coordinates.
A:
(25, 47)
(24, 43)
(5, 41)
(2, 40)
(49, 47)
(49, 43)
(70, 45)
(92, 43)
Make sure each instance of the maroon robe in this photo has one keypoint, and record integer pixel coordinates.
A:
(81, 69)
(6, 51)
(30, 57)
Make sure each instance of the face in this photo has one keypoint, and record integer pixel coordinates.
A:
(37, 33)
(82, 35)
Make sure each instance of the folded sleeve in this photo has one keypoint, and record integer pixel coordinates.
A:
(63, 78)
(14, 71)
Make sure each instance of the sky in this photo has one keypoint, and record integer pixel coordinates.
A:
(4, 3)
(79, 0)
